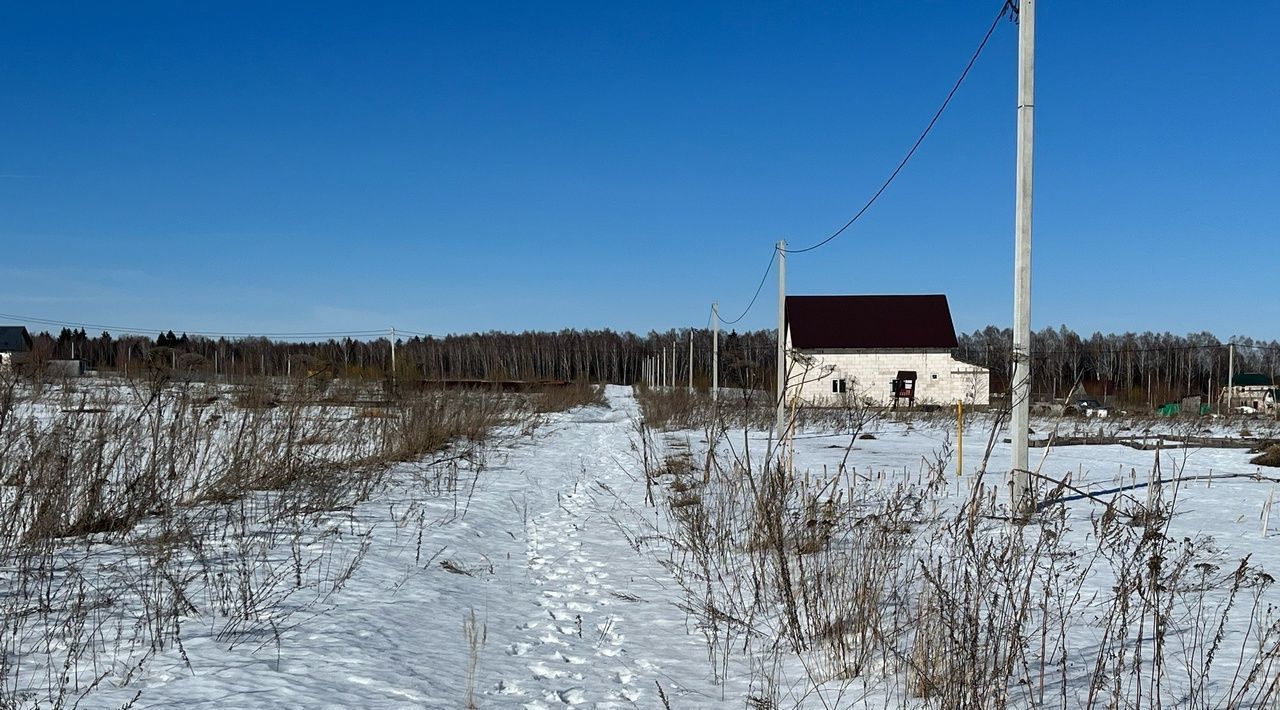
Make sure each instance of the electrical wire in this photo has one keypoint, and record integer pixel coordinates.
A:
(763, 278)
(1004, 8)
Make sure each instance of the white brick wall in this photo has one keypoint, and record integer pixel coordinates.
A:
(940, 378)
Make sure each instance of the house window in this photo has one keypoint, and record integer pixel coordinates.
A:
(935, 375)
(838, 386)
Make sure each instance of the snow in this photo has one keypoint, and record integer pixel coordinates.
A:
(553, 554)
(551, 549)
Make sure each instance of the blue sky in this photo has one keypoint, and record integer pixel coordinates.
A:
(443, 168)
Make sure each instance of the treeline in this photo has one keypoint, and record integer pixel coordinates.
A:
(746, 359)
(1129, 366)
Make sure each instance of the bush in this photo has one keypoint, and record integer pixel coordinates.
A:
(1270, 457)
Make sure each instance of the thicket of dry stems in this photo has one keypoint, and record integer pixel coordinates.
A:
(904, 592)
(131, 510)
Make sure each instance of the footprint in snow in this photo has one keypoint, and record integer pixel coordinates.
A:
(507, 687)
(628, 694)
(542, 671)
(570, 696)
(551, 639)
(518, 649)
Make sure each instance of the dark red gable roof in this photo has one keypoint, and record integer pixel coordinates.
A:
(819, 322)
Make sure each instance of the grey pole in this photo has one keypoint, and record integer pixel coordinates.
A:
(1231, 375)
(691, 359)
(1021, 391)
(782, 337)
(393, 355)
(715, 350)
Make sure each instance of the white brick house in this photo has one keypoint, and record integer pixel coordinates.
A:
(842, 347)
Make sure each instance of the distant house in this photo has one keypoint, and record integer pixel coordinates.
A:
(886, 350)
(1251, 389)
(15, 345)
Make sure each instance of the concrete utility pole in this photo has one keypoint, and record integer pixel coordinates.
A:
(1231, 375)
(691, 359)
(715, 350)
(782, 337)
(664, 366)
(393, 355)
(1023, 500)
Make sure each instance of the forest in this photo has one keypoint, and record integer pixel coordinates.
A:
(1129, 367)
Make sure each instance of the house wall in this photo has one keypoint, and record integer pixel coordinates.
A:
(941, 379)
(1258, 397)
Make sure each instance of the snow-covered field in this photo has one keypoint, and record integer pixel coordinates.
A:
(545, 579)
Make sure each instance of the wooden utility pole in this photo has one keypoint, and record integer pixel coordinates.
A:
(393, 355)
(782, 337)
(715, 350)
(1023, 500)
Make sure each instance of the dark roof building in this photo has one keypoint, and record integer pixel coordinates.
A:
(916, 322)
(14, 339)
(1250, 379)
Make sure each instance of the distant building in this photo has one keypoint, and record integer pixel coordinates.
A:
(64, 368)
(15, 345)
(884, 350)
(1251, 389)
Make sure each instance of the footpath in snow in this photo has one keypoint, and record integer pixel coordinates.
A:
(570, 602)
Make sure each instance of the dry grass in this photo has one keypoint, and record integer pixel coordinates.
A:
(575, 394)
(1270, 457)
(680, 408)
(931, 599)
(128, 509)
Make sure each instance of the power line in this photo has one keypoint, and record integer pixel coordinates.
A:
(763, 278)
(1004, 8)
